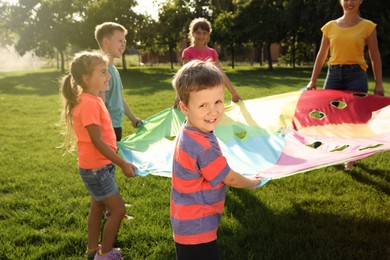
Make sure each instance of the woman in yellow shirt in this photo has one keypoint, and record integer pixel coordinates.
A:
(346, 38)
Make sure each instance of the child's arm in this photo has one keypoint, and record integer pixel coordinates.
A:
(95, 133)
(177, 99)
(237, 180)
(235, 96)
(130, 115)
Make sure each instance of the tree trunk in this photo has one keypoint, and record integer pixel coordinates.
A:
(260, 51)
(58, 60)
(233, 54)
(269, 55)
(124, 65)
(252, 54)
(171, 56)
(293, 50)
(62, 60)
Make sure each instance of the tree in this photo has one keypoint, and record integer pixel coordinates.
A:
(43, 26)
(7, 37)
(268, 27)
(375, 11)
(226, 32)
(147, 36)
(173, 18)
(97, 12)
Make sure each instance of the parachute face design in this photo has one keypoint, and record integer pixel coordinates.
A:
(275, 136)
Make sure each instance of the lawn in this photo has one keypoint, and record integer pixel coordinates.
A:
(322, 214)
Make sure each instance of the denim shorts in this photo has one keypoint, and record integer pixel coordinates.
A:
(100, 182)
(346, 77)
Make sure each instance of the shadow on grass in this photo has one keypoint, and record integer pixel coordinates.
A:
(42, 83)
(298, 233)
(295, 79)
(150, 80)
(364, 178)
(146, 81)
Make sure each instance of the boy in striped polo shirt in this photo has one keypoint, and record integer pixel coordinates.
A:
(200, 171)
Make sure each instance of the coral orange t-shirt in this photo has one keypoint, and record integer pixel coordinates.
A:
(92, 111)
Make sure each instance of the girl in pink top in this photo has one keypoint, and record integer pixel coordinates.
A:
(199, 34)
(87, 117)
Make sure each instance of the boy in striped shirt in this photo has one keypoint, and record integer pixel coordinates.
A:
(200, 171)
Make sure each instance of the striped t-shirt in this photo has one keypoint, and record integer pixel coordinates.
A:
(198, 193)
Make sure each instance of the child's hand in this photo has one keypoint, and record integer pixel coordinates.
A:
(236, 98)
(260, 181)
(311, 86)
(137, 123)
(128, 169)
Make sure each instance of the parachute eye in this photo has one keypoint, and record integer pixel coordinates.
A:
(315, 145)
(370, 147)
(317, 114)
(241, 135)
(341, 148)
(338, 104)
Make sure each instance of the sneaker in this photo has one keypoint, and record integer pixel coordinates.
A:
(107, 215)
(349, 165)
(91, 254)
(114, 254)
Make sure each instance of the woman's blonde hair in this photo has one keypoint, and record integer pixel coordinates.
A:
(83, 64)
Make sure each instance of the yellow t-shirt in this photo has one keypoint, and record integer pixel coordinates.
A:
(347, 43)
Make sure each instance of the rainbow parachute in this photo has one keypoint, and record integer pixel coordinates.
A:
(275, 136)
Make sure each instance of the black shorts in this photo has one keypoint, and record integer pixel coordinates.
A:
(206, 251)
(118, 133)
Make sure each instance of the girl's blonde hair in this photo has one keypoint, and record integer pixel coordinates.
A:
(83, 64)
(198, 23)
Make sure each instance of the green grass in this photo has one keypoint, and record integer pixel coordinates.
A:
(322, 214)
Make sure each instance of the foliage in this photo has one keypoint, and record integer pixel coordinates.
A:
(97, 12)
(384, 41)
(172, 19)
(269, 26)
(225, 31)
(43, 25)
(6, 35)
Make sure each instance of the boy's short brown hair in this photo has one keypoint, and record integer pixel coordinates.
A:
(194, 76)
(107, 29)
